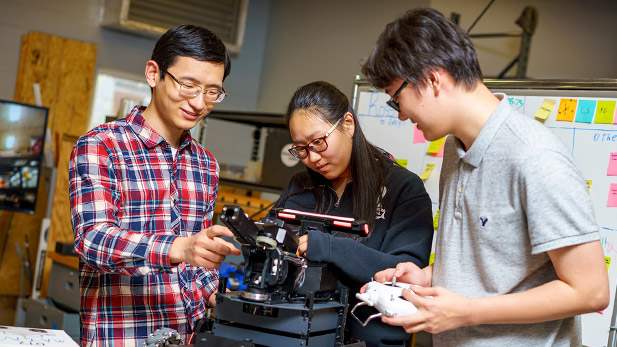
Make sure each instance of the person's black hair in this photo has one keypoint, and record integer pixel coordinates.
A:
(368, 163)
(418, 42)
(190, 41)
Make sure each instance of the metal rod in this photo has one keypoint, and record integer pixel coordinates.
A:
(508, 67)
(559, 84)
(480, 16)
(488, 35)
(611, 332)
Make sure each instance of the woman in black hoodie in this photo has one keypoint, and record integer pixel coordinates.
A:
(348, 176)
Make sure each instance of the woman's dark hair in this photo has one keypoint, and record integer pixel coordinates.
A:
(368, 163)
(190, 41)
(419, 41)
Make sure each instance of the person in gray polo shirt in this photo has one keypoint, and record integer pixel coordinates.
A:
(517, 255)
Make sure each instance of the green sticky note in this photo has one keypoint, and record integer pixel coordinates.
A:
(427, 172)
(431, 259)
(436, 220)
(605, 112)
(402, 162)
(435, 146)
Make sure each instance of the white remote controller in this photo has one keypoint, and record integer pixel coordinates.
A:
(387, 298)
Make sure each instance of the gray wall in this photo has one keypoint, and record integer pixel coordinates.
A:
(573, 39)
(321, 40)
(289, 43)
(79, 20)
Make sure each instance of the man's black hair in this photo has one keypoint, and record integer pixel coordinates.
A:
(418, 42)
(190, 41)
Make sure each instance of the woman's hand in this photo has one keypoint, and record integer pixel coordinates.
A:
(302, 245)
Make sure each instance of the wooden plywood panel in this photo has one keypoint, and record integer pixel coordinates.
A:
(19, 84)
(39, 53)
(74, 89)
(19, 225)
(60, 228)
(64, 69)
(40, 63)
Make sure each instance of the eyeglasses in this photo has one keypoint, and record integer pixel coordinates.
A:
(393, 103)
(190, 90)
(316, 145)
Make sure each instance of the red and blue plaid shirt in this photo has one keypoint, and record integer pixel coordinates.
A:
(130, 199)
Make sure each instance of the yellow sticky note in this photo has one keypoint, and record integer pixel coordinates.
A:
(402, 162)
(607, 260)
(588, 185)
(545, 110)
(427, 172)
(605, 112)
(436, 220)
(567, 110)
(431, 259)
(434, 147)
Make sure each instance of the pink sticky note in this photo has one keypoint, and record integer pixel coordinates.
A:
(612, 196)
(612, 164)
(418, 135)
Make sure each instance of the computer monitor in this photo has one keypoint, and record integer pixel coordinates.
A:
(22, 141)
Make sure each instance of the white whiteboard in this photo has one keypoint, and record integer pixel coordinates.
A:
(590, 144)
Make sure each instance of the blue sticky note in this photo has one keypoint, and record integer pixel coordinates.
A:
(585, 111)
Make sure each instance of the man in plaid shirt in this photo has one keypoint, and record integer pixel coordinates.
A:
(142, 196)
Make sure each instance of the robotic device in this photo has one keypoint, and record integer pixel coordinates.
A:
(289, 301)
(387, 298)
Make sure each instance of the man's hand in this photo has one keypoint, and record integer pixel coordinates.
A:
(438, 310)
(405, 273)
(204, 249)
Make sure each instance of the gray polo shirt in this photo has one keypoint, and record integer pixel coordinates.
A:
(513, 196)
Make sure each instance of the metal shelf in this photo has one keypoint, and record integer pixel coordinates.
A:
(253, 118)
(249, 185)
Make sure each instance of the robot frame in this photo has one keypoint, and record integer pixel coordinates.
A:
(289, 301)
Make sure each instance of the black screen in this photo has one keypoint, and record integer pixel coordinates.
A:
(22, 141)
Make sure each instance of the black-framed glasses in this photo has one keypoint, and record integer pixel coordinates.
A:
(190, 90)
(316, 145)
(392, 102)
